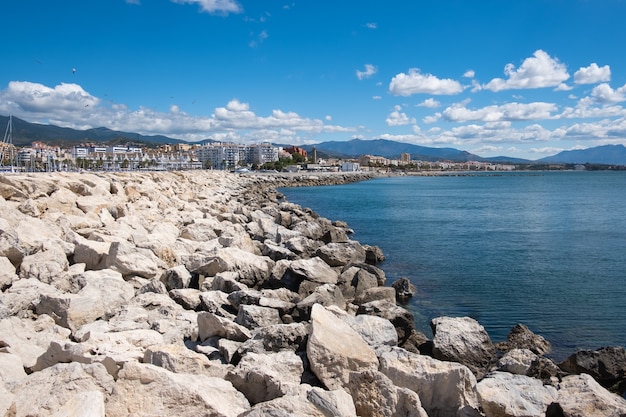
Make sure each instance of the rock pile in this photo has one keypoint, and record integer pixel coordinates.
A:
(204, 294)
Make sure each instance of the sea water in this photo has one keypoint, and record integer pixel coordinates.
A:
(547, 249)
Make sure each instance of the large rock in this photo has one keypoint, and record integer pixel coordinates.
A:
(401, 318)
(465, 341)
(582, 396)
(251, 269)
(72, 390)
(375, 395)
(334, 349)
(263, 377)
(148, 390)
(445, 389)
(521, 337)
(313, 270)
(210, 325)
(7, 273)
(506, 395)
(102, 294)
(130, 260)
(340, 254)
(517, 361)
(606, 365)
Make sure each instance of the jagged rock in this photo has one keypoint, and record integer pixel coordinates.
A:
(313, 270)
(202, 230)
(263, 377)
(45, 265)
(227, 282)
(144, 389)
(7, 273)
(516, 361)
(94, 254)
(154, 285)
(210, 325)
(401, 318)
(217, 302)
(131, 260)
(103, 292)
(176, 278)
(373, 255)
(340, 254)
(606, 365)
(521, 337)
(179, 359)
(465, 341)
(326, 295)
(252, 270)
(582, 396)
(335, 235)
(277, 337)
(253, 317)
(28, 339)
(404, 289)
(71, 390)
(334, 349)
(188, 298)
(445, 389)
(299, 404)
(244, 297)
(503, 394)
(11, 369)
(375, 395)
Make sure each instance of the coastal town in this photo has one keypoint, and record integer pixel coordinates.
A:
(40, 156)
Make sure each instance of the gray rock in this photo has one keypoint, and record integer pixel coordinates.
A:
(144, 389)
(404, 289)
(606, 365)
(253, 317)
(375, 395)
(465, 341)
(445, 389)
(176, 278)
(503, 394)
(582, 396)
(210, 325)
(334, 349)
(401, 318)
(521, 337)
(340, 254)
(263, 377)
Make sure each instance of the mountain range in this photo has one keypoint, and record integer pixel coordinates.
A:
(24, 133)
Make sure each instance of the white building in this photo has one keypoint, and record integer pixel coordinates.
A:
(350, 166)
(229, 155)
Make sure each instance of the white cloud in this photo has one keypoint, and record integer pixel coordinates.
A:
(592, 74)
(504, 112)
(603, 93)
(214, 6)
(369, 71)
(432, 118)
(430, 103)
(538, 71)
(469, 74)
(328, 118)
(546, 150)
(377, 97)
(398, 118)
(417, 83)
(68, 105)
(371, 25)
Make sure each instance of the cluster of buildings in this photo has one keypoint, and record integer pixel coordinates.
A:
(221, 156)
(40, 156)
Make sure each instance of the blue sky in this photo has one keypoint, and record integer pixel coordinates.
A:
(526, 79)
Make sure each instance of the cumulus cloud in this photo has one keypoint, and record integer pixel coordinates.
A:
(417, 83)
(592, 74)
(369, 71)
(505, 112)
(469, 74)
(69, 105)
(399, 118)
(431, 103)
(603, 93)
(538, 71)
(214, 6)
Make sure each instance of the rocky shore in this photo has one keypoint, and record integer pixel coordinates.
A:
(206, 294)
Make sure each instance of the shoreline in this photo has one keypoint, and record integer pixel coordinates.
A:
(205, 290)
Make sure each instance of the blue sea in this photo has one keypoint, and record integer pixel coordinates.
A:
(547, 249)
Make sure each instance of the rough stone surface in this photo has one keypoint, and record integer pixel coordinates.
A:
(465, 341)
(334, 349)
(582, 396)
(521, 337)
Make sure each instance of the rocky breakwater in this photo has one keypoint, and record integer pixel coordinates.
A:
(204, 294)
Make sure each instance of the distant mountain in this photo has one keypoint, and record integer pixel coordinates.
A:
(390, 149)
(24, 133)
(605, 155)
